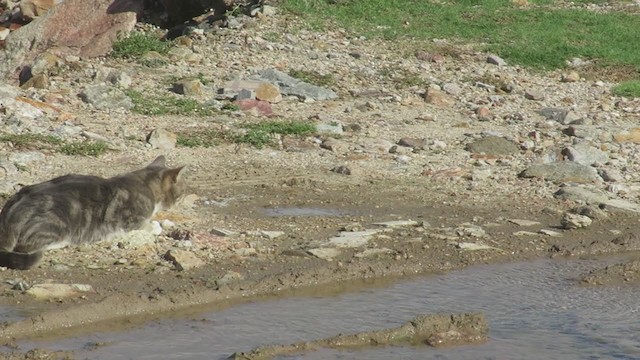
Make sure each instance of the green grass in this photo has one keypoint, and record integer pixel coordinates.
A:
(200, 138)
(538, 36)
(49, 142)
(31, 141)
(257, 135)
(84, 148)
(262, 134)
(167, 105)
(137, 44)
(628, 88)
(313, 77)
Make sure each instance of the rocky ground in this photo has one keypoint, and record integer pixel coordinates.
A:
(425, 157)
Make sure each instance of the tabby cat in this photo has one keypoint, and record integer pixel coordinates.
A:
(80, 209)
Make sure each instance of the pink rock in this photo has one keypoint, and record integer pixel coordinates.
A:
(73, 27)
(259, 107)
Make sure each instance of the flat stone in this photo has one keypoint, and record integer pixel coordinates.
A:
(438, 98)
(136, 239)
(474, 246)
(325, 253)
(623, 205)
(562, 171)
(521, 222)
(397, 223)
(533, 95)
(493, 145)
(58, 291)
(585, 154)
(291, 86)
(162, 139)
(577, 193)
(353, 239)
(104, 97)
(369, 253)
(183, 259)
(329, 128)
(550, 233)
(223, 232)
(26, 158)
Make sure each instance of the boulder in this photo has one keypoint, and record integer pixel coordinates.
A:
(73, 27)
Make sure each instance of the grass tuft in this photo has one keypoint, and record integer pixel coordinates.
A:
(167, 105)
(137, 44)
(628, 88)
(542, 35)
(84, 148)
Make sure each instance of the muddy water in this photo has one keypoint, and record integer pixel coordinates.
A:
(535, 311)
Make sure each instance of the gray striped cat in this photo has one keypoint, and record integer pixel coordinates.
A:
(80, 209)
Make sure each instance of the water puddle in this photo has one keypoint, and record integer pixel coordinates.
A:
(535, 311)
(302, 211)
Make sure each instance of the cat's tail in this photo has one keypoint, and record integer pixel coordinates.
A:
(19, 261)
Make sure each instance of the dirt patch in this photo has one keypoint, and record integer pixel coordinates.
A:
(626, 272)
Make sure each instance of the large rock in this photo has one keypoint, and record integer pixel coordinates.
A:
(493, 145)
(562, 171)
(105, 97)
(73, 27)
(292, 86)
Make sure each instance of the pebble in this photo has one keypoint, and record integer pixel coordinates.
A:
(162, 139)
(183, 259)
(352, 239)
(57, 291)
(496, 60)
(188, 87)
(325, 253)
(574, 221)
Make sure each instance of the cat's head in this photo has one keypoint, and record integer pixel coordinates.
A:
(171, 186)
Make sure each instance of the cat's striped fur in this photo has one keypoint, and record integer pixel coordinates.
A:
(80, 209)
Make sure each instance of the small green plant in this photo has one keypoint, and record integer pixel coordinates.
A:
(137, 44)
(84, 148)
(230, 107)
(31, 141)
(313, 77)
(262, 134)
(202, 138)
(628, 88)
(166, 105)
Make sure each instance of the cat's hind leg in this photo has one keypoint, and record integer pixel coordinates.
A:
(19, 260)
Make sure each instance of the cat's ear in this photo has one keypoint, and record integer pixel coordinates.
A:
(158, 162)
(171, 176)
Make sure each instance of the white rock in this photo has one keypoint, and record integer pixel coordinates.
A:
(397, 223)
(325, 253)
(57, 291)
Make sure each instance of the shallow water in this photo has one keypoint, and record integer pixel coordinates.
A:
(535, 311)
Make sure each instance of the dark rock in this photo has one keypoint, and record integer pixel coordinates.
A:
(341, 170)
